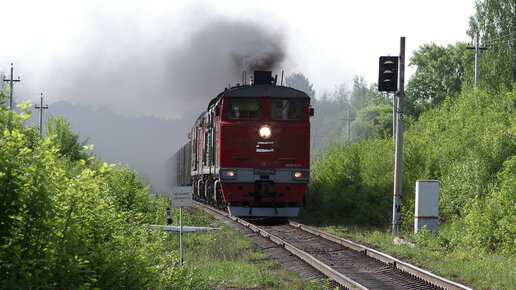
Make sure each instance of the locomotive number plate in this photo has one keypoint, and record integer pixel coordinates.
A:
(264, 146)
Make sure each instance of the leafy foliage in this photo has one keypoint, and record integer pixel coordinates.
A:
(71, 224)
(463, 145)
(439, 74)
(369, 111)
(350, 182)
(497, 25)
(328, 122)
(372, 122)
(300, 82)
(492, 221)
(64, 138)
(468, 145)
(363, 95)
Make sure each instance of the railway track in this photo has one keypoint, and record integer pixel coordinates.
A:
(351, 265)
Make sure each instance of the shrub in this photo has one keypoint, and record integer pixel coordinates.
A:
(71, 224)
(492, 222)
(351, 182)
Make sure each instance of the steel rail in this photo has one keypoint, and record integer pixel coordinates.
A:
(311, 260)
(330, 272)
(408, 268)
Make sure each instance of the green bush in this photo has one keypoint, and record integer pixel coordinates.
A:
(353, 182)
(463, 145)
(468, 144)
(64, 139)
(71, 224)
(492, 221)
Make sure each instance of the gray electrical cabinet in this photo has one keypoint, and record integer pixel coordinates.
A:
(427, 205)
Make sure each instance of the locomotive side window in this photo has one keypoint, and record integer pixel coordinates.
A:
(245, 109)
(285, 109)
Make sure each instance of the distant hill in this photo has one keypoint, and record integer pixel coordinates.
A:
(143, 143)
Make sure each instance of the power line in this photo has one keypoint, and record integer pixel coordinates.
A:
(501, 22)
(503, 38)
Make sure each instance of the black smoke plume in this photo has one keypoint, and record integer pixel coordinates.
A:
(121, 69)
(218, 54)
(118, 66)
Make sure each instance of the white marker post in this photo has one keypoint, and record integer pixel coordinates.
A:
(181, 196)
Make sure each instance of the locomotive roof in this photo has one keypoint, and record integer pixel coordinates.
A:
(253, 91)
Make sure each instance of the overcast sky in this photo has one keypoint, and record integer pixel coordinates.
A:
(165, 58)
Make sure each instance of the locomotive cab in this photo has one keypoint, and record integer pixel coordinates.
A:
(264, 144)
(250, 151)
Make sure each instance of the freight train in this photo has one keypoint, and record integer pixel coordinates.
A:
(249, 152)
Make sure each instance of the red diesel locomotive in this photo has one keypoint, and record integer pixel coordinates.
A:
(250, 151)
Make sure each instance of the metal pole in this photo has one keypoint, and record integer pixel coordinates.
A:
(181, 236)
(11, 80)
(11, 88)
(349, 126)
(349, 119)
(41, 108)
(41, 117)
(477, 55)
(394, 116)
(396, 208)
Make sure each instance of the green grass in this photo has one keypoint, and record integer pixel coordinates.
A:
(225, 258)
(443, 254)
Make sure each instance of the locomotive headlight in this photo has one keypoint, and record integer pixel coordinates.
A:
(300, 175)
(265, 132)
(227, 173)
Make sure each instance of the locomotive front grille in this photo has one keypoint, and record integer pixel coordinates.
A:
(264, 189)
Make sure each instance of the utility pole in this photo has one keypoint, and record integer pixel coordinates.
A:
(349, 120)
(477, 49)
(11, 86)
(41, 108)
(396, 208)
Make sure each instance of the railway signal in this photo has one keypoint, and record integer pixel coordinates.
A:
(398, 162)
(388, 82)
(388, 76)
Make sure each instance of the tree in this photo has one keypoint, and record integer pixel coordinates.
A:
(373, 121)
(439, 74)
(363, 96)
(66, 140)
(328, 122)
(497, 25)
(300, 82)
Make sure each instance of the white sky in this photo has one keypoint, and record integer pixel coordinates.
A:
(328, 41)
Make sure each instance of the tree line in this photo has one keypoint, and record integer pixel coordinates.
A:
(462, 135)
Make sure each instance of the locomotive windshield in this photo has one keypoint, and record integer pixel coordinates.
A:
(287, 109)
(245, 109)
